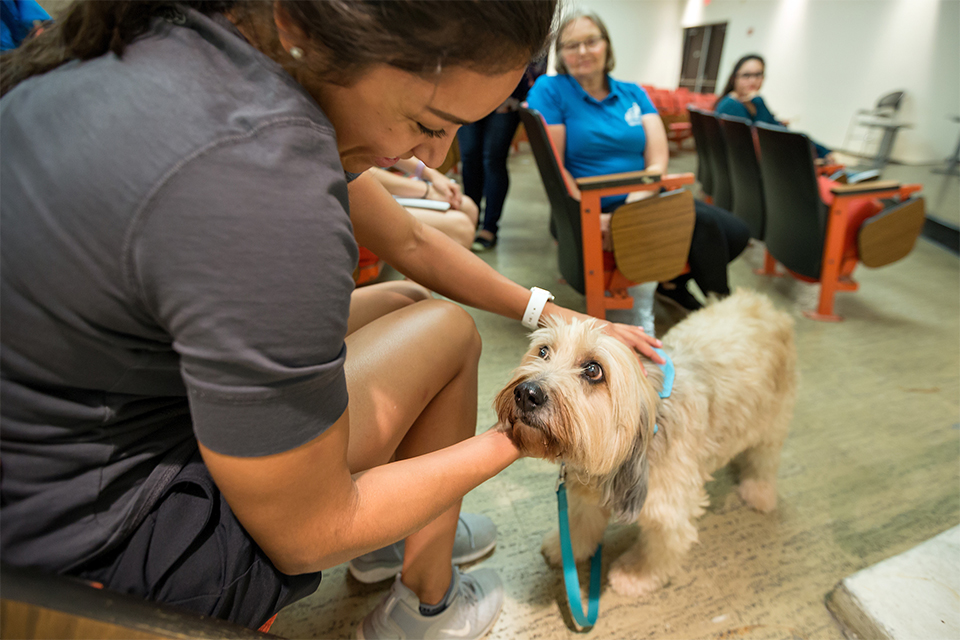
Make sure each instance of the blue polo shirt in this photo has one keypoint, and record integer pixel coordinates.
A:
(603, 136)
(16, 21)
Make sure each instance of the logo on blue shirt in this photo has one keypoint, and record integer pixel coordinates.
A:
(633, 116)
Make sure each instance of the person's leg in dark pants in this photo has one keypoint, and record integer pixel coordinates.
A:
(499, 133)
(718, 238)
(470, 138)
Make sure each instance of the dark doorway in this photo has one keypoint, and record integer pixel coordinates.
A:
(702, 47)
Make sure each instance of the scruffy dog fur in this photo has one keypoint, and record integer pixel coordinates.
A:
(580, 396)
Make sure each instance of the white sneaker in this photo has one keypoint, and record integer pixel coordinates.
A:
(471, 614)
(476, 537)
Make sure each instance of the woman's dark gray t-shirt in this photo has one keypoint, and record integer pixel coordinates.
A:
(176, 266)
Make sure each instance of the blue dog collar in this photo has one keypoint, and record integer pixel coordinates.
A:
(669, 373)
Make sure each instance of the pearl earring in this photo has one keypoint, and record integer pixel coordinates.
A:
(296, 52)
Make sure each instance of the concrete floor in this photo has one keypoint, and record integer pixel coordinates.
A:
(869, 471)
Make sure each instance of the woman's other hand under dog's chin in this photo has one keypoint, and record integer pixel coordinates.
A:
(530, 441)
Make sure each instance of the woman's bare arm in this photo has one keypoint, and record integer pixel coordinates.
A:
(308, 512)
(558, 134)
(656, 155)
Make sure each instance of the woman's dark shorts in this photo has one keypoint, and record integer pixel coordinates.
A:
(191, 552)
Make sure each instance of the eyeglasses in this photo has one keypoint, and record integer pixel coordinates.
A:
(751, 76)
(589, 43)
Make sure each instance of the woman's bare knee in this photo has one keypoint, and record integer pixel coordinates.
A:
(455, 326)
(377, 300)
(387, 368)
(461, 228)
(453, 223)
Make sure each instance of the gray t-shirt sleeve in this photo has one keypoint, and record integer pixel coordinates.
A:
(245, 256)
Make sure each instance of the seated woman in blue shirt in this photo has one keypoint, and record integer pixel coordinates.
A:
(741, 97)
(601, 125)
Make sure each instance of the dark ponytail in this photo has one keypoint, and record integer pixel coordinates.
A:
(87, 30)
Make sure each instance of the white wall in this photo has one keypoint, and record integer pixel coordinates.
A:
(828, 58)
(825, 58)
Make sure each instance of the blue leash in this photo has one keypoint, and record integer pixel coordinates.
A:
(570, 575)
(571, 578)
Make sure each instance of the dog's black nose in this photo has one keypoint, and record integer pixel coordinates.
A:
(529, 396)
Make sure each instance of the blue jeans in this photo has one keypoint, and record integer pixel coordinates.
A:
(484, 146)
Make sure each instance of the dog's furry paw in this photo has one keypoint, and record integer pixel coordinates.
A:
(759, 494)
(627, 583)
(551, 548)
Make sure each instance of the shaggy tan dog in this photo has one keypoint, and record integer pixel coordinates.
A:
(580, 396)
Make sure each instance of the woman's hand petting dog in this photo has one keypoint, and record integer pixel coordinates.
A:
(636, 338)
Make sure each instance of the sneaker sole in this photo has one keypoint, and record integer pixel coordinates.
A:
(379, 574)
(476, 555)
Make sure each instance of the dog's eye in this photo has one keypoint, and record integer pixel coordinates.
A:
(593, 372)
(544, 353)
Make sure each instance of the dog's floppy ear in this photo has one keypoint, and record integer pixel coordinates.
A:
(625, 491)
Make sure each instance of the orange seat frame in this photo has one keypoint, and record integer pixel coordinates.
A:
(601, 281)
(837, 265)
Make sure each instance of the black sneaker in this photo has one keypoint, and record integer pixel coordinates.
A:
(681, 296)
(483, 244)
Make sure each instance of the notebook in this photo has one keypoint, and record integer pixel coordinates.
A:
(420, 203)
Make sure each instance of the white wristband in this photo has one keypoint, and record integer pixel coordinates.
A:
(538, 300)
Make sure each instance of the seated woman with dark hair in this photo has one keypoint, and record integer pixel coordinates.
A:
(741, 98)
(601, 125)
